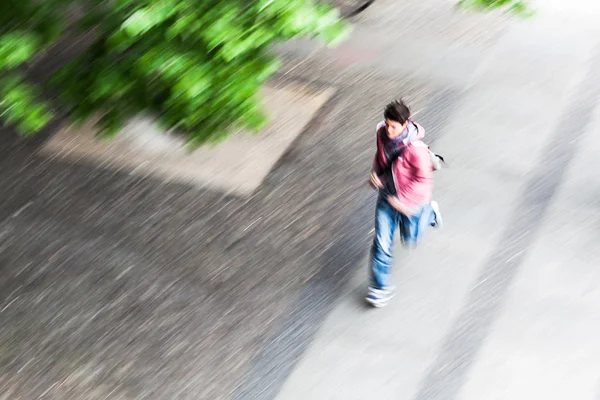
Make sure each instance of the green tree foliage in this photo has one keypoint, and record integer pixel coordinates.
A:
(518, 7)
(197, 64)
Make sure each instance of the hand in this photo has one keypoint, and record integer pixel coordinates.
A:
(375, 181)
(400, 207)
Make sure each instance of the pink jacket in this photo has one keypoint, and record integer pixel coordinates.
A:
(412, 171)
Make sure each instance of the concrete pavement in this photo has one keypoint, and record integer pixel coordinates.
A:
(118, 287)
(502, 304)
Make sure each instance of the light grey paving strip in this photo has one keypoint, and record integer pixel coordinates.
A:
(280, 354)
(464, 340)
(438, 112)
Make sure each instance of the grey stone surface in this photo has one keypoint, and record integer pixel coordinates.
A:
(295, 332)
(519, 125)
(238, 165)
(547, 331)
(463, 341)
(121, 287)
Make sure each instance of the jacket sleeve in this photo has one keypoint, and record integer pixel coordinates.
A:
(377, 168)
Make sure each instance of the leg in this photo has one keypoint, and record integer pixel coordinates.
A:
(386, 221)
(437, 220)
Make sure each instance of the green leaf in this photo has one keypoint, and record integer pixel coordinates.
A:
(118, 41)
(256, 120)
(334, 34)
(21, 105)
(185, 26)
(140, 22)
(145, 19)
(522, 10)
(36, 119)
(17, 47)
(299, 20)
(516, 6)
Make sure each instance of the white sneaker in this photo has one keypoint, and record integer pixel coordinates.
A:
(380, 297)
(439, 221)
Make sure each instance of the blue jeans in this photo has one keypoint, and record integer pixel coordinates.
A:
(387, 219)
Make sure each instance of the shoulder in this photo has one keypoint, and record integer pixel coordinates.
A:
(418, 145)
(419, 127)
(417, 150)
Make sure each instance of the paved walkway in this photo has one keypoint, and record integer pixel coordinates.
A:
(116, 287)
(503, 304)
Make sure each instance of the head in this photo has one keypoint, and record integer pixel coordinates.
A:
(396, 116)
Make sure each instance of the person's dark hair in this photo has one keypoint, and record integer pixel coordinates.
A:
(397, 111)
